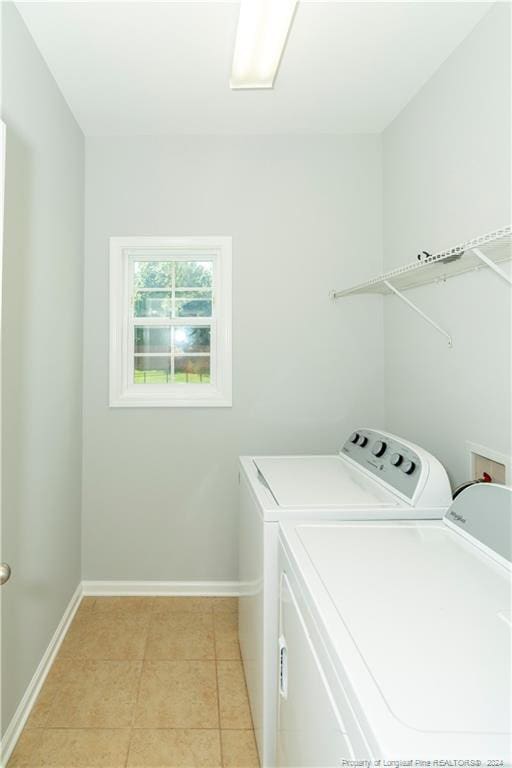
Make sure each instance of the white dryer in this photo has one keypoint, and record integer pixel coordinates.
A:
(395, 639)
(375, 476)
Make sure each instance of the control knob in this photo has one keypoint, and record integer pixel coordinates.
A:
(354, 437)
(362, 441)
(379, 448)
(396, 459)
(409, 467)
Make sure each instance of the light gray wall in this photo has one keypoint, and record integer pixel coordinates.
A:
(160, 485)
(446, 164)
(41, 358)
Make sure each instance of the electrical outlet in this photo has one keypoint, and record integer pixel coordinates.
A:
(484, 460)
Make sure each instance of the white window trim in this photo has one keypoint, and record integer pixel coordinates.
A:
(125, 394)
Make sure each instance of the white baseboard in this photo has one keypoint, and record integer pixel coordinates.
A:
(22, 713)
(164, 588)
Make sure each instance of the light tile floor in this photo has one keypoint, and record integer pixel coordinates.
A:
(145, 683)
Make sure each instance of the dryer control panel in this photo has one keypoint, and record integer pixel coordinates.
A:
(393, 461)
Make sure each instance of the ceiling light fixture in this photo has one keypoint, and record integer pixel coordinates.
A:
(263, 27)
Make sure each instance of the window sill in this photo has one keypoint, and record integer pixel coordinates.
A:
(131, 399)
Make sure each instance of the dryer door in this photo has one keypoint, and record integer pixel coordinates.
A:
(310, 730)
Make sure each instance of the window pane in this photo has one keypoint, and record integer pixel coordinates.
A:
(193, 303)
(152, 339)
(188, 338)
(194, 274)
(192, 370)
(152, 370)
(193, 308)
(152, 274)
(153, 304)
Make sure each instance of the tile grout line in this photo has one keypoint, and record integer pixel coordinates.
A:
(152, 608)
(218, 709)
(246, 693)
(217, 693)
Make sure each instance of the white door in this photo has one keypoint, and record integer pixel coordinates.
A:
(5, 571)
(310, 730)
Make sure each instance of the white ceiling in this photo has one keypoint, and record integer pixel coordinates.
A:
(130, 68)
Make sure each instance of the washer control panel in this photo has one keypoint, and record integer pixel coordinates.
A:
(395, 462)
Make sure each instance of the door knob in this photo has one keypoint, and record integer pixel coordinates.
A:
(5, 573)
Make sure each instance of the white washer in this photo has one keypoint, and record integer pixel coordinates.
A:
(375, 476)
(395, 638)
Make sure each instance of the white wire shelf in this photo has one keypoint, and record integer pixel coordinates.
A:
(497, 246)
(486, 251)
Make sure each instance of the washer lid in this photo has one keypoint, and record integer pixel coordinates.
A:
(320, 481)
(427, 611)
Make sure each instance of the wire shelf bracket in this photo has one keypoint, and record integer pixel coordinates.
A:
(488, 250)
(490, 263)
(419, 311)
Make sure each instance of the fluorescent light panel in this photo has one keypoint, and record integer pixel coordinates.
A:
(263, 27)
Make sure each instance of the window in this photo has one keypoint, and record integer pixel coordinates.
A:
(170, 321)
